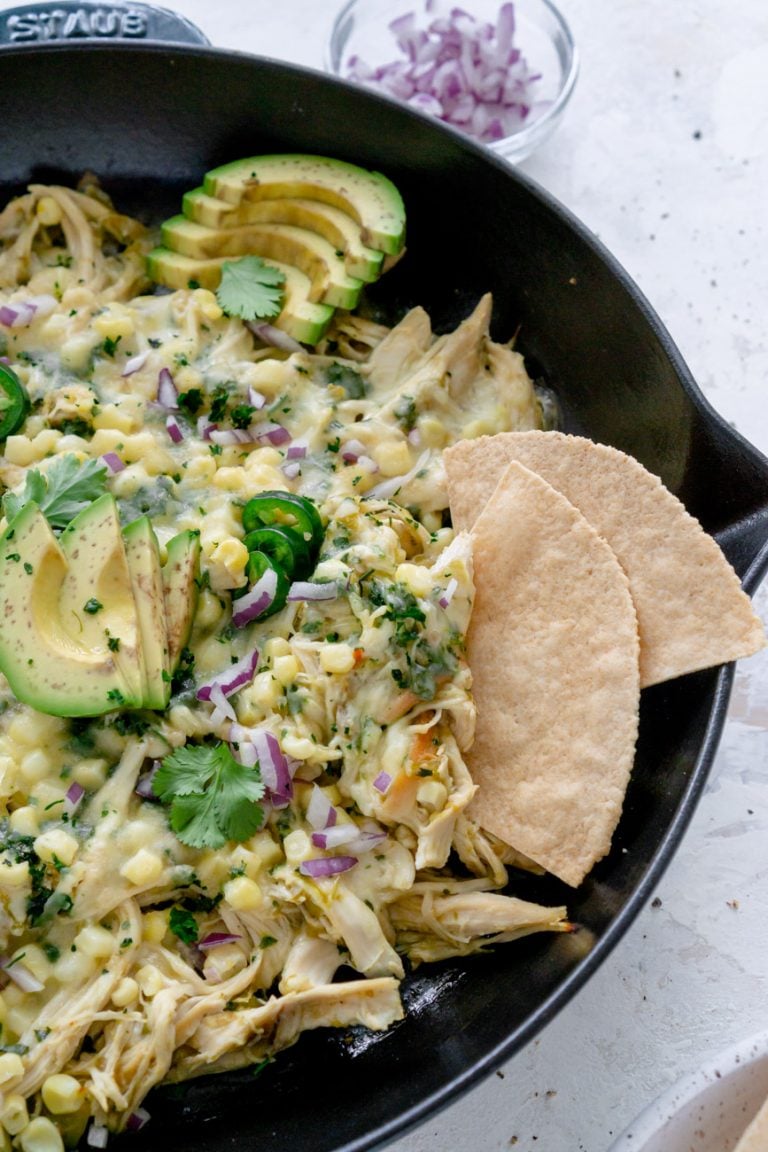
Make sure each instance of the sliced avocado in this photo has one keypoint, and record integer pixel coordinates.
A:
(143, 558)
(310, 253)
(97, 604)
(305, 321)
(369, 197)
(45, 665)
(338, 228)
(181, 579)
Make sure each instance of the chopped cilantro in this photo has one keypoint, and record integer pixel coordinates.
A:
(250, 289)
(346, 378)
(212, 797)
(68, 486)
(109, 346)
(92, 606)
(113, 643)
(183, 924)
(191, 401)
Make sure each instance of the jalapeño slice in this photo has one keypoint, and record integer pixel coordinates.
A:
(14, 402)
(286, 510)
(285, 546)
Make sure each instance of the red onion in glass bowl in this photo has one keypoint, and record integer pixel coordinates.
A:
(501, 72)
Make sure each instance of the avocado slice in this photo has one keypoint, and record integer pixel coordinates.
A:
(338, 228)
(143, 558)
(284, 243)
(96, 597)
(300, 318)
(47, 666)
(369, 197)
(181, 580)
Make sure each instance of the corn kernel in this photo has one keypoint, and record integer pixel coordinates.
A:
(207, 303)
(417, 579)
(14, 875)
(14, 1116)
(90, 774)
(41, 1135)
(393, 458)
(242, 894)
(23, 451)
(95, 942)
(150, 980)
(117, 416)
(33, 728)
(24, 821)
(11, 1066)
(265, 849)
(155, 926)
(277, 646)
(337, 658)
(263, 694)
(432, 794)
(48, 211)
(224, 962)
(201, 468)
(112, 325)
(56, 844)
(48, 797)
(35, 766)
(285, 669)
(232, 555)
(126, 993)
(299, 747)
(144, 867)
(297, 847)
(72, 967)
(36, 961)
(76, 352)
(62, 1094)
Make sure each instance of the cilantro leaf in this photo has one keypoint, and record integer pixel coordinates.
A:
(213, 799)
(183, 924)
(251, 289)
(68, 486)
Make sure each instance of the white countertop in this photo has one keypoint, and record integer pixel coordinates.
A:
(664, 154)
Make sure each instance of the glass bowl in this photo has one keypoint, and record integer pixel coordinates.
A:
(362, 36)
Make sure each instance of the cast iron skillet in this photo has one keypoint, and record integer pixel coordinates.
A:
(150, 119)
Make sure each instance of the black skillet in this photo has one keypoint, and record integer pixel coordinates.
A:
(150, 119)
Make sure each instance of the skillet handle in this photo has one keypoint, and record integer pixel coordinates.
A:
(73, 22)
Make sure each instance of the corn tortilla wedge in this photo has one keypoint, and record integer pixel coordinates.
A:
(691, 610)
(553, 649)
(755, 1139)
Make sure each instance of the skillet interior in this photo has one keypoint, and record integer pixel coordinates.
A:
(150, 121)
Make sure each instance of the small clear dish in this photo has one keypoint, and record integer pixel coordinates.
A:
(362, 39)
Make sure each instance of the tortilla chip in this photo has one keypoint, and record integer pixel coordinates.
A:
(691, 610)
(553, 649)
(755, 1139)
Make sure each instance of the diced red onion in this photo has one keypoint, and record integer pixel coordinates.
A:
(73, 798)
(167, 395)
(414, 438)
(275, 770)
(291, 469)
(320, 812)
(460, 69)
(256, 601)
(137, 1119)
(144, 783)
(21, 976)
(274, 433)
(19, 316)
(205, 428)
(228, 437)
(256, 399)
(113, 462)
(382, 782)
(297, 450)
(216, 939)
(388, 488)
(324, 866)
(232, 678)
(305, 590)
(135, 364)
(43, 305)
(449, 593)
(352, 450)
(367, 464)
(98, 1136)
(222, 708)
(336, 836)
(174, 429)
(273, 336)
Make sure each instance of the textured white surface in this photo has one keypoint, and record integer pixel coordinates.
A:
(664, 154)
